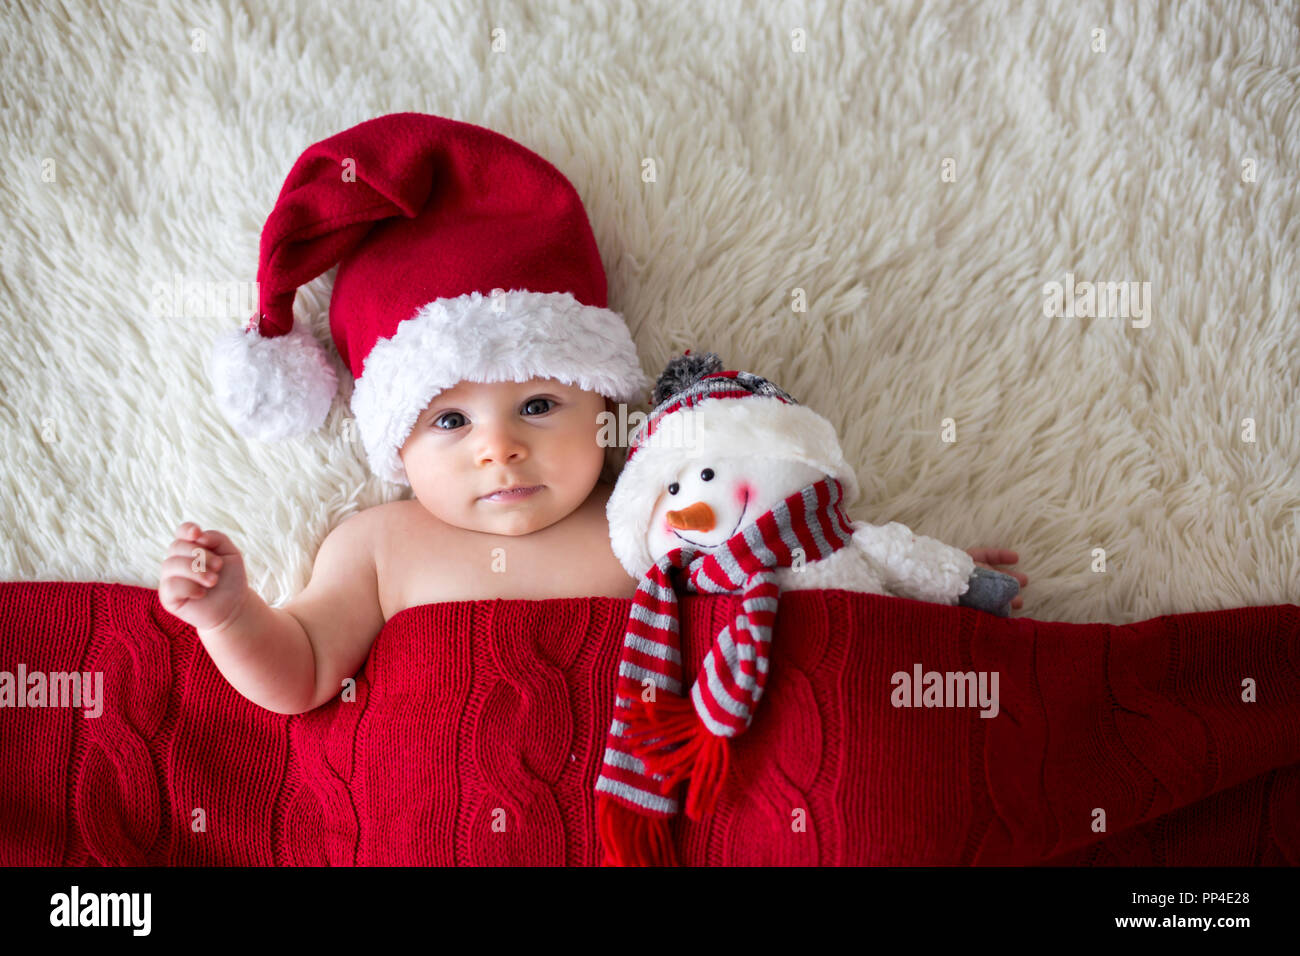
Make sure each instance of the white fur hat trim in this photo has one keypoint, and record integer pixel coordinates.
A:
(504, 337)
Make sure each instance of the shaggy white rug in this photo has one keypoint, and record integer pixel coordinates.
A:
(916, 174)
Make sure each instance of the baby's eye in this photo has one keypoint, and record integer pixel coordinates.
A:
(445, 417)
(549, 403)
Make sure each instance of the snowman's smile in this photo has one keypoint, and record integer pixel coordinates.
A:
(733, 530)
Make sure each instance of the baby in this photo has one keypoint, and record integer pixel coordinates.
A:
(461, 537)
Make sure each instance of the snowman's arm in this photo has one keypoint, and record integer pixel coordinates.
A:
(912, 565)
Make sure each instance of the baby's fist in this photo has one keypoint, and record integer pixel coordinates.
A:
(202, 581)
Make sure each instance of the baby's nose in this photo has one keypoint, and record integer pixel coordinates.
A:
(696, 517)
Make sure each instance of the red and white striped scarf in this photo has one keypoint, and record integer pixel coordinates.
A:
(655, 743)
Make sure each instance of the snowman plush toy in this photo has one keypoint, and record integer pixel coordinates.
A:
(732, 486)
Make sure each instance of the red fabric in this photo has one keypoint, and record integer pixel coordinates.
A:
(430, 208)
(478, 731)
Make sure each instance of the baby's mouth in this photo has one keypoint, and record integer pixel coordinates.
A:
(514, 494)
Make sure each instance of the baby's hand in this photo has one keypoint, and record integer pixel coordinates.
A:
(1000, 556)
(203, 581)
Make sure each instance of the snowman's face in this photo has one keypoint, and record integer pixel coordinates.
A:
(710, 499)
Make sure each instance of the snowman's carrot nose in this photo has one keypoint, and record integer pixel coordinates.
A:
(696, 517)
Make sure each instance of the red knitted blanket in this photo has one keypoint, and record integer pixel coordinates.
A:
(477, 731)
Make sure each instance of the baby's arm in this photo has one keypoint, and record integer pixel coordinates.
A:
(912, 565)
(293, 659)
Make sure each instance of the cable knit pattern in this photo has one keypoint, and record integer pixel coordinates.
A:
(521, 738)
(118, 791)
(477, 732)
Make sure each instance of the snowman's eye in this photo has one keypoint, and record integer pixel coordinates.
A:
(707, 474)
(674, 488)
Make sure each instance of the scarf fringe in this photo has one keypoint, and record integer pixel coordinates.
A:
(703, 757)
(633, 839)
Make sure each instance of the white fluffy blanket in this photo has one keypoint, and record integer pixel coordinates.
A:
(913, 174)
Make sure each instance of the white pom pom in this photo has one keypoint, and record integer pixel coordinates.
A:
(272, 388)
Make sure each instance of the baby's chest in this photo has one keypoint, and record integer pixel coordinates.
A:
(419, 565)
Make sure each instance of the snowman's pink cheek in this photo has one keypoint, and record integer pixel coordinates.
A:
(743, 492)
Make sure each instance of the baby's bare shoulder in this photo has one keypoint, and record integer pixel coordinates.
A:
(404, 516)
(404, 520)
(416, 555)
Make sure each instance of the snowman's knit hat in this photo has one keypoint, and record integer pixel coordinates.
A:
(702, 412)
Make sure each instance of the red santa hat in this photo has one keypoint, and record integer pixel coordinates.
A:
(462, 256)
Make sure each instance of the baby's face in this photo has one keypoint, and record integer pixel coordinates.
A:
(480, 436)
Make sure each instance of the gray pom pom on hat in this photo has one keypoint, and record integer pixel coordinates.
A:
(685, 371)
